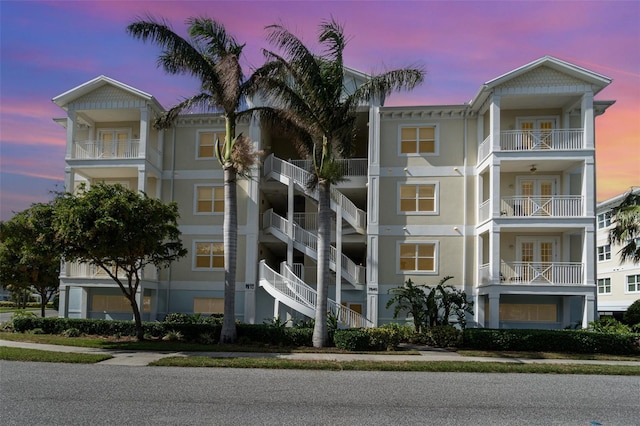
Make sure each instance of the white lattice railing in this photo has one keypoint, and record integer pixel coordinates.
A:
(95, 149)
(278, 226)
(86, 270)
(542, 273)
(277, 168)
(293, 290)
(534, 140)
(556, 206)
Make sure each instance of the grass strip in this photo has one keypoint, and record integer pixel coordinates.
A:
(546, 355)
(419, 366)
(34, 355)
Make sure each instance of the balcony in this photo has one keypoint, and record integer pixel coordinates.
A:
(124, 149)
(85, 270)
(535, 140)
(555, 206)
(534, 273)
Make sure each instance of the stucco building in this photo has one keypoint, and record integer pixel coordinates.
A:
(498, 192)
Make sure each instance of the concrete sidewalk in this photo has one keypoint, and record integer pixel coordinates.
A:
(143, 358)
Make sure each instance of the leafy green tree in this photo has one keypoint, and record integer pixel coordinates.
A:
(212, 56)
(631, 316)
(29, 258)
(411, 298)
(626, 230)
(320, 117)
(120, 232)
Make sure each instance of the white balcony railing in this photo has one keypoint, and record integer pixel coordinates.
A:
(86, 270)
(484, 211)
(535, 140)
(350, 167)
(535, 273)
(555, 206)
(127, 149)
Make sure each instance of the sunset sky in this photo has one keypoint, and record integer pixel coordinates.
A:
(49, 47)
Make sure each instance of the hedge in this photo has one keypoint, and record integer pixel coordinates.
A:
(367, 339)
(570, 341)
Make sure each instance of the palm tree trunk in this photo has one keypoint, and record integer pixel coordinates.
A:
(320, 331)
(228, 333)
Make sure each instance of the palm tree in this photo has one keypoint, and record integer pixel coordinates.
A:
(211, 55)
(626, 232)
(321, 117)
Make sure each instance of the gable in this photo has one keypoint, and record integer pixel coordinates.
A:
(107, 96)
(543, 76)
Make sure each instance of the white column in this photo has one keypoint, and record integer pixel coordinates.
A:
(588, 310)
(290, 211)
(69, 179)
(494, 188)
(479, 311)
(494, 122)
(589, 260)
(373, 216)
(588, 187)
(71, 130)
(494, 311)
(84, 297)
(142, 179)
(144, 132)
(494, 254)
(139, 301)
(480, 129)
(339, 255)
(62, 301)
(586, 109)
(566, 311)
(276, 308)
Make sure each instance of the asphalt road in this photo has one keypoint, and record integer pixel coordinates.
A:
(6, 316)
(65, 394)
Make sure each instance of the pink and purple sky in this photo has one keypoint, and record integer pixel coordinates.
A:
(49, 47)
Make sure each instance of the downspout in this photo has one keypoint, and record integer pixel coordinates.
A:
(173, 167)
(464, 201)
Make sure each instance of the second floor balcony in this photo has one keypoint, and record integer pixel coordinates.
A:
(110, 150)
(534, 273)
(534, 206)
(534, 140)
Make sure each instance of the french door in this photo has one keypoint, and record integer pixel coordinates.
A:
(114, 143)
(537, 133)
(535, 196)
(536, 256)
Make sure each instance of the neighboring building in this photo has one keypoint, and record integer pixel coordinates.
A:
(618, 282)
(498, 192)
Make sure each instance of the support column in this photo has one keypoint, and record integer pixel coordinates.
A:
(588, 310)
(494, 122)
(142, 179)
(479, 311)
(589, 257)
(494, 255)
(62, 302)
(494, 311)
(276, 308)
(290, 211)
(566, 311)
(586, 111)
(140, 302)
(71, 130)
(144, 132)
(494, 189)
(339, 256)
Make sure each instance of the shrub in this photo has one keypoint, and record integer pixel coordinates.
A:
(353, 339)
(609, 325)
(632, 314)
(572, 341)
(445, 336)
(71, 332)
(173, 336)
(386, 338)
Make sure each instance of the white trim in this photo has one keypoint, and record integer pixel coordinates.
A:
(436, 140)
(200, 131)
(436, 255)
(604, 252)
(194, 255)
(195, 199)
(609, 293)
(626, 284)
(536, 248)
(436, 199)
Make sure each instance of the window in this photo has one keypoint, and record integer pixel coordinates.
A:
(604, 285)
(117, 303)
(633, 283)
(209, 255)
(604, 220)
(419, 140)
(418, 198)
(209, 199)
(206, 141)
(208, 305)
(604, 253)
(528, 312)
(417, 257)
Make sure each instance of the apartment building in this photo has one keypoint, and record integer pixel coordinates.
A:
(498, 192)
(618, 282)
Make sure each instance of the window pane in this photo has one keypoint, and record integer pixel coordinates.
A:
(427, 133)
(203, 248)
(409, 133)
(407, 205)
(425, 250)
(407, 264)
(407, 250)
(204, 206)
(202, 262)
(218, 261)
(427, 146)
(407, 191)
(426, 191)
(218, 206)
(205, 152)
(408, 147)
(425, 264)
(426, 205)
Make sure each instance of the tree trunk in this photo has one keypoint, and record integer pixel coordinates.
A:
(320, 331)
(136, 316)
(228, 333)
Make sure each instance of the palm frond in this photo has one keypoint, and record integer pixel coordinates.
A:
(205, 101)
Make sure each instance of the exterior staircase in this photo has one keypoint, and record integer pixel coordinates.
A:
(288, 289)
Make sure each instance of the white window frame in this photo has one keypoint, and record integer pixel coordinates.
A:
(606, 253)
(637, 284)
(194, 256)
(195, 200)
(436, 257)
(604, 284)
(436, 140)
(604, 219)
(198, 133)
(436, 199)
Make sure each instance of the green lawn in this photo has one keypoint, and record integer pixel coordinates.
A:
(21, 354)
